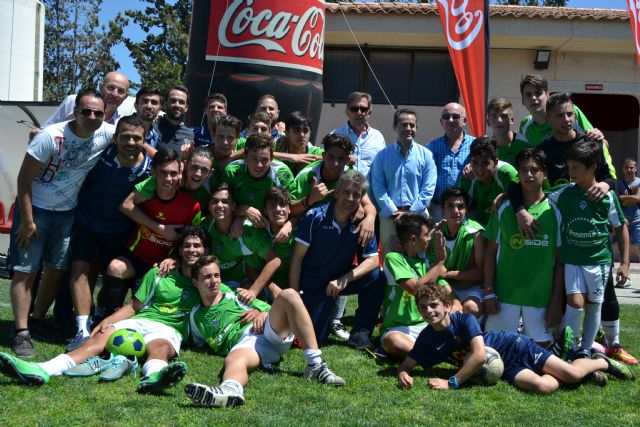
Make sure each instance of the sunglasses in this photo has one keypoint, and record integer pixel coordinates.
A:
(355, 109)
(86, 112)
(454, 116)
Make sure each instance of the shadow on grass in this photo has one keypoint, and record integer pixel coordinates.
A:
(392, 371)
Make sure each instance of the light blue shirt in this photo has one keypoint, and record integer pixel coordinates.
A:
(366, 146)
(449, 164)
(403, 181)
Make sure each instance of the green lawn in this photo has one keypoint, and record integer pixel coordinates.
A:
(283, 398)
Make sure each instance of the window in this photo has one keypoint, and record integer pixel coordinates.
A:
(408, 76)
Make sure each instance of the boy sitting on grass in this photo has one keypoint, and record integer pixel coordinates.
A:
(450, 336)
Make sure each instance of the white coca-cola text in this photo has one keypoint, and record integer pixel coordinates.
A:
(462, 23)
(268, 29)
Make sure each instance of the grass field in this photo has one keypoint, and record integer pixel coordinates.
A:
(283, 398)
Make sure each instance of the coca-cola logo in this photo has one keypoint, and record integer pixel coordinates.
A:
(635, 22)
(462, 26)
(268, 31)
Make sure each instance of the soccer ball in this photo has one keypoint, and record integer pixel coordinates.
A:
(491, 371)
(127, 342)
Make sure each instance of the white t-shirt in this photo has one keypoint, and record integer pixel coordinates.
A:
(67, 160)
(65, 111)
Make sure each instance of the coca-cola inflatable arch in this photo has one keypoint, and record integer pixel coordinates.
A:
(257, 47)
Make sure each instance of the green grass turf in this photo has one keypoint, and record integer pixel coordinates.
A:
(283, 398)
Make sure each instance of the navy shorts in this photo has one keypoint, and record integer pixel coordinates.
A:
(88, 245)
(518, 352)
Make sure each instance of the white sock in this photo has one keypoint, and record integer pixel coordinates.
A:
(56, 366)
(81, 323)
(590, 325)
(611, 331)
(572, 318)
(313, 356)
(152, 366)
(233, 385)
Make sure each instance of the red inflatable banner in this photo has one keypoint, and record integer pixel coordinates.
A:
(466, 28)
(634, 7)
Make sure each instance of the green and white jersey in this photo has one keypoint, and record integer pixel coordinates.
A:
(481, 195)
(281, 147)
(524, 267)
(284, 251)
(148, 187)
(303, 184)
(232, 252)
(167, 300)
(249, 191)
(400, 307)
(534, 133)
(459, 247)
(219, 325)
(585, 225)
(508, 153)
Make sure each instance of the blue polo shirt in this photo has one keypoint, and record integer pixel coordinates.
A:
(331, 249)
(448, 163)
(104, 189)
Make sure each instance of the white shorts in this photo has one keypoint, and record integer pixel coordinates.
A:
(464, 294)
(587, 279)
(509, 317)
(411, 331)
(152, 330)
(269, 346)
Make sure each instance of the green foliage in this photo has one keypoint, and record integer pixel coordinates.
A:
(77, 49)
(161, 58)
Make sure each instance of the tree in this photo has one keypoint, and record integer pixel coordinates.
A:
(161, 58)
(77, 49)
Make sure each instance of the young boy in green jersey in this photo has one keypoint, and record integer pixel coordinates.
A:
(406, 272)
(231, 252)
(226, 140)
(465, 250)
(258, 123)
(491, 177)
(500, 119)
(295, 149)
(586, 248)
(536, 295)
(249, 336)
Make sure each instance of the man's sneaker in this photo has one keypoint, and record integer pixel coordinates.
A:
(322, 373)
(213, 397)
(583, 353)
(564, 344)
(618, 353)
(359, 340)
(339, 330)
(22, 345)
(615, 368)
(92, 366)
(169, 376)
(624, 283)
(598, 348)
(118, 367)
(26, 372)
(77, 341)
(598, 378)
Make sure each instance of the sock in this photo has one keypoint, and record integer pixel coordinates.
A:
(152, 366)
(22, 331)
(611, 332)
(572, 317)
(81, 322)
(590, 325)
(56, 366)
(233, 385)
(313, 356)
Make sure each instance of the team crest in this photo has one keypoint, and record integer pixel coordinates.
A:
(251, 196)
(215, 323)
(583, 204)
(185, 294)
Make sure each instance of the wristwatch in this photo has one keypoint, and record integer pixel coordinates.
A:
(453, 382)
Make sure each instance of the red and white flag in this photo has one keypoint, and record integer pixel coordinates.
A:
(466, 28)
(634, 10)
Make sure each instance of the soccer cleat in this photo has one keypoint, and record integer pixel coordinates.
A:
(598, 378)
(77, 341)
(213, 397)
(624, 283)
(615, 368)
(597, 347)
(338, 330)
(618, 353)
(322, 373)
(359, 340)
(22, 345)
(118, 367)
(92, 366)
(583, 353)
(564, 344)
(169, 376)
(28, 373)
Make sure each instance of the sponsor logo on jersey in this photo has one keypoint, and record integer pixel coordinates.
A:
(160, 216)
(583, 204)
(518, 242)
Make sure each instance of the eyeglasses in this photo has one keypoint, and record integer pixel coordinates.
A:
(86, 112)
(356, 108)
(454, 116)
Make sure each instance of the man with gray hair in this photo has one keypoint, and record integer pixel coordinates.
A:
(322, 262)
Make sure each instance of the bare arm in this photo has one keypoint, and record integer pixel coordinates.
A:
(365, 267)
(491, 302)
(263, 279)
(405, 380)
(471, 366)
(129, 207)
(474, 273)
(28, 171)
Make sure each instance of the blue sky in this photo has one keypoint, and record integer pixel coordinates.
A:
(112, 7)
